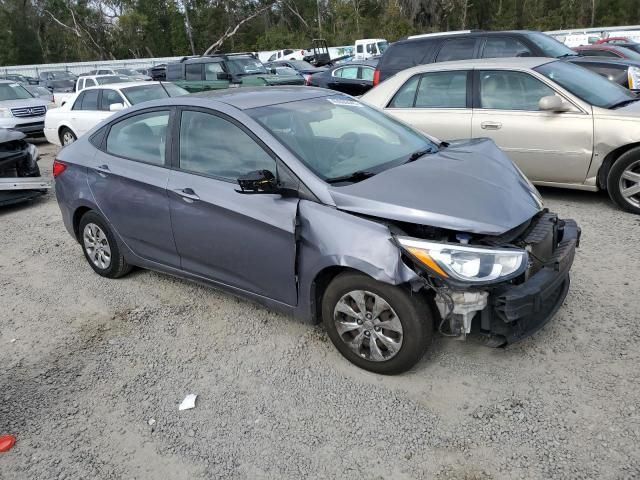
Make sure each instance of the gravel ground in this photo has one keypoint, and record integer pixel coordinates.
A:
(93, 371)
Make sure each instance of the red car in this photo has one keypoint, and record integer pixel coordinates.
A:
(612, 50)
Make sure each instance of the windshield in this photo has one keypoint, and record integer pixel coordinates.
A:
(286, 71)
(336, 136)
(550, 46)
(585, 84)
(629, 53)
(127, 71)
(301, 65)
(382, 46)
(246, 66)
(145, 93)
(112, 79)
(61, 75)
(13, 91)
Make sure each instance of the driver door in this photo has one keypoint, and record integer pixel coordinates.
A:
(246, 241)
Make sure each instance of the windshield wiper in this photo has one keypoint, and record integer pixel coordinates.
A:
(623, 103)
(420, 153)
(565, 55)
(352, 177)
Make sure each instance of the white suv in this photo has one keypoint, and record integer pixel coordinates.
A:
(19, 110)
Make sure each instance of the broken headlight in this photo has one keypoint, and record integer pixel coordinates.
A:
(465, 263)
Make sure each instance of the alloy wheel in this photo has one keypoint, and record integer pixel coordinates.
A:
(97, 246)
(368, 325)
(629, 184)
(68, 138)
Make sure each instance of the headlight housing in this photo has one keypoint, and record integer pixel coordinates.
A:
(633, 75)
(5, 113)
(464, 263)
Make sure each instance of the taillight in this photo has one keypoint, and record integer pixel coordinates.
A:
(58, 168)
(307, 79)
(376, 77)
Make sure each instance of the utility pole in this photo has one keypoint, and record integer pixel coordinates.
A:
(319, 19)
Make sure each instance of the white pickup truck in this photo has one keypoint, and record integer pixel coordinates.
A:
(89, 81)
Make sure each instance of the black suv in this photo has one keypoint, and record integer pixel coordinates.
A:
(431, 48)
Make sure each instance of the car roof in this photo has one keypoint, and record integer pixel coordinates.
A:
(472, 33)
(121, 85)
(515, 62)
(606, 60)
(255, 97)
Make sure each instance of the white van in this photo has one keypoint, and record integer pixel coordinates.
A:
(370, 47)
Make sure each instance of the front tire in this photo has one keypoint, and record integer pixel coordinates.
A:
(100, 247)
(378, 327)
(623, 181)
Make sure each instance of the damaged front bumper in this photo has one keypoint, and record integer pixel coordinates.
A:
(516, 311)
(511, 311)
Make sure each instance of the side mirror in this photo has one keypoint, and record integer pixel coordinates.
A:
(224, 76)
(258, 181)
(116, 107)
(552, 103)
(274, 71)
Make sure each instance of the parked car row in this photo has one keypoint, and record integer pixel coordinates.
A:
(91, 105)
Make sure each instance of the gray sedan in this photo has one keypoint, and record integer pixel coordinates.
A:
(319, 206)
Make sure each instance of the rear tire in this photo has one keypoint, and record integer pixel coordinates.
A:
(623, 181)
(100, 247)
(400, 323)
(67, 137)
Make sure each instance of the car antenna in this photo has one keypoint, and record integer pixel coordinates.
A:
(163, 87)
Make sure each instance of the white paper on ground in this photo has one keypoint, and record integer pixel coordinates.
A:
(188, 402)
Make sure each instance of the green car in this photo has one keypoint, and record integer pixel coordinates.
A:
(214, 72)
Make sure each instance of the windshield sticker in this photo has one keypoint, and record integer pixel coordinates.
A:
(345, 102)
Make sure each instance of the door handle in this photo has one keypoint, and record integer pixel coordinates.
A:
(103, 170)
(187, 194)
(491, 125)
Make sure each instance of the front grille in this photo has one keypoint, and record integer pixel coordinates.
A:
(29, 111)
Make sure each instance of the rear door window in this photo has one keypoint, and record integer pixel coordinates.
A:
(193, 71)
(140, 137)
(346, 72)
(77, 105)
(90, 99)
(498, 47)
(442, 90)
(457, 49)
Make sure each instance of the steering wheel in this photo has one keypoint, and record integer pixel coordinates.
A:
(344, 148)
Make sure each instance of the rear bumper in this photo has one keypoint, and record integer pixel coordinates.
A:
(515, 312)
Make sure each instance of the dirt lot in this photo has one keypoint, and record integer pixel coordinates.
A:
(93, 371)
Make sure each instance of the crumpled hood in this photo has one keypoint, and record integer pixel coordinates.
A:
(470, 186)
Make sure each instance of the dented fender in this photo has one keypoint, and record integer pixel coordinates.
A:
(328, 237)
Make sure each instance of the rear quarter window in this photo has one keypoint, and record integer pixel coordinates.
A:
(404, 55)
